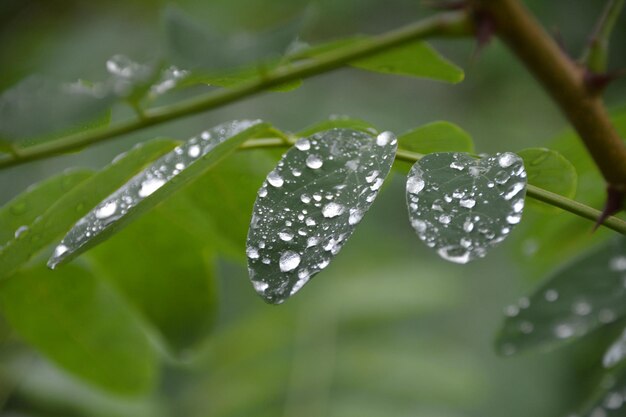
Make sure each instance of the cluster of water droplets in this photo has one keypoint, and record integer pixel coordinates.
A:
(310, 204)
(143, 185)
(566, 307)
(461, 206)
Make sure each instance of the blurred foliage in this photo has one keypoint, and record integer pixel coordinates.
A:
(160, 320)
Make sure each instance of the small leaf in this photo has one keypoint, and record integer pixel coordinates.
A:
(310, 204)
(550, 170)
(344, 122)
(177, 295)
(583, 296)
(437, 136)
(155, 184)
(416, 59)
(17, 214)
(82, 326)
(461, 206)
(59, 217)
(36, 107)
(238, 76)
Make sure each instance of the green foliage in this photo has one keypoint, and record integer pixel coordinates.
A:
(82, 325)
(461, 206)
(571, 303)
(65, 211)
(310, 204)
(437, 136)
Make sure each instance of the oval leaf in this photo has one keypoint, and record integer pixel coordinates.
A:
(80, 324)
(461, 206)
(575, 300)
(17, 214)
(60, 216)
(153, 185)
(437, 136)
(310, 204)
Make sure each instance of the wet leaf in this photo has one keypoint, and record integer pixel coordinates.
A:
(609, 400)
(82, 326)
(178, 296)
(154, 184)
(17, 214)
(575, 300)
(461, 206)
(616, 352)
(550, 170)
(310, 204)
(60, 216)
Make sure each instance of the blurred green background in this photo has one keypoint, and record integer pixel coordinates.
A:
(388, 329)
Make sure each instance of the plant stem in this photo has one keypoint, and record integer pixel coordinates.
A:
(595, 57)
(443, 25)
(545, 196)
(563, 79)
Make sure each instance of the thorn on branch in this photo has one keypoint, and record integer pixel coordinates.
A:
(614, 203)
(596, 83)
(484, 30)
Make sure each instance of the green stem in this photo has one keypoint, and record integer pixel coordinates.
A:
(532, 191)
(446, 24)
(595, 57)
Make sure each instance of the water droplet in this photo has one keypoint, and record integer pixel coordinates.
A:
(252, 252)
(260, 286)
(289, 261)
(106, 210)
(262, 192)
(551, 295)
(582, 308)
(618, 263)
(468, 202)
(384, 138)
(285, 235)
(355, 216)
(563, 331)
(331, 210)
(516, 188)
(454, 254)
(303, 144)
(513, 218)
(457, 165)
(468, 226)
(306, 199)
(414, 184)
(507, 159)
(20, 231)
(149, 186)
(314, 162)
(193, 151)
(275, 180)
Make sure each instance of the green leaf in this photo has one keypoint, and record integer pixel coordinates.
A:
(154, 184)
(35, 109)
(545, 240)
(81, 325)
(416, 59)
(177, 295)
(343, 122)
(310, 204)
(60, 216)
(616, 352)
(608, 401)
(575, 300)
(196, 46)
(550, 170)
(437, 136)
(238, 76)
(461, 206)
(23, 209)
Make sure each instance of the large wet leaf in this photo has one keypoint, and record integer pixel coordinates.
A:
(310, 204)
(550, 170)
(82, 326)
(36, 107)
(154, 184)
(461, 206)
(177, 295)
(17, 214)
(584, 295)
(65, 211)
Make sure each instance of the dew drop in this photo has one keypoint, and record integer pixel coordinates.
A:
(252, 252)
(563, 331)
(384, 138)
(275, 180)
(289, 261)
(194, 151)
(106, 210)
(285, 235)
(415, 184)
(467, 202)
(150, 186)
(332, 209)
(506, 159)
(314, 162)
(355, 216)
(303, 144)
(20, 231)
